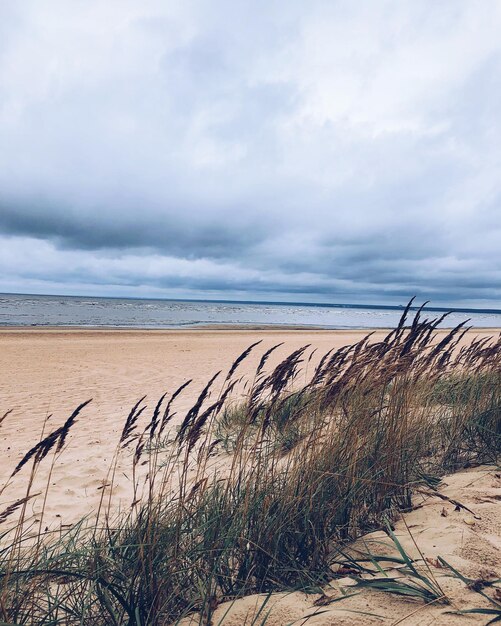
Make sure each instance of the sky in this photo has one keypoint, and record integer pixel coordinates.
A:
(321, 151)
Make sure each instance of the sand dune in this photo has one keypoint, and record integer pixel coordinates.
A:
(470, 543)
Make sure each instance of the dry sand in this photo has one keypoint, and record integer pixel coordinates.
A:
(471, 544)
(49, 372)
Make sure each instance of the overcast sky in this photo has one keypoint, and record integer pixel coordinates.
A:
(322, 151)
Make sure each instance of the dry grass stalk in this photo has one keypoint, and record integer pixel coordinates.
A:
(56, 438)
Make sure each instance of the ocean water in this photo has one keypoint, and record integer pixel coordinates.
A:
(28, 310)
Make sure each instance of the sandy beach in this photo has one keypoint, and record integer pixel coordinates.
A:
(49, 372)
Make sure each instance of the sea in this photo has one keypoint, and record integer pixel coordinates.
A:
(77, 311)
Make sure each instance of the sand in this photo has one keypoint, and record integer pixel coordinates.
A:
(49, 372)
(470, 543)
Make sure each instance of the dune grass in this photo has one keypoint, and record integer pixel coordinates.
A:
(255, 493)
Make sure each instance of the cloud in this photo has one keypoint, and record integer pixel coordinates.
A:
(335, 150)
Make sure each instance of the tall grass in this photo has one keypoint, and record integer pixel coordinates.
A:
(300, 469)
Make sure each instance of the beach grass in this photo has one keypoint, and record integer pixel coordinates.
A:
(262, 484)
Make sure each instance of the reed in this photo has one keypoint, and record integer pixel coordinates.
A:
(303, 467)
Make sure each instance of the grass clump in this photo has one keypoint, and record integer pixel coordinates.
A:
(397, 574)
(302, 468)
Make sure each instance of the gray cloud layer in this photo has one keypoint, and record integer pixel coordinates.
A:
(328, 150)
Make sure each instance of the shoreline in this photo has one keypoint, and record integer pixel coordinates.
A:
(180, 328)
(270, 328)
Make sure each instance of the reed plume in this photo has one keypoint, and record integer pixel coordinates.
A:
(56, 438)
(240, 358)
(131, 422)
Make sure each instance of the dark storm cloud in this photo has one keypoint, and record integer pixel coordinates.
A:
(185, 235)
(334, 150)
